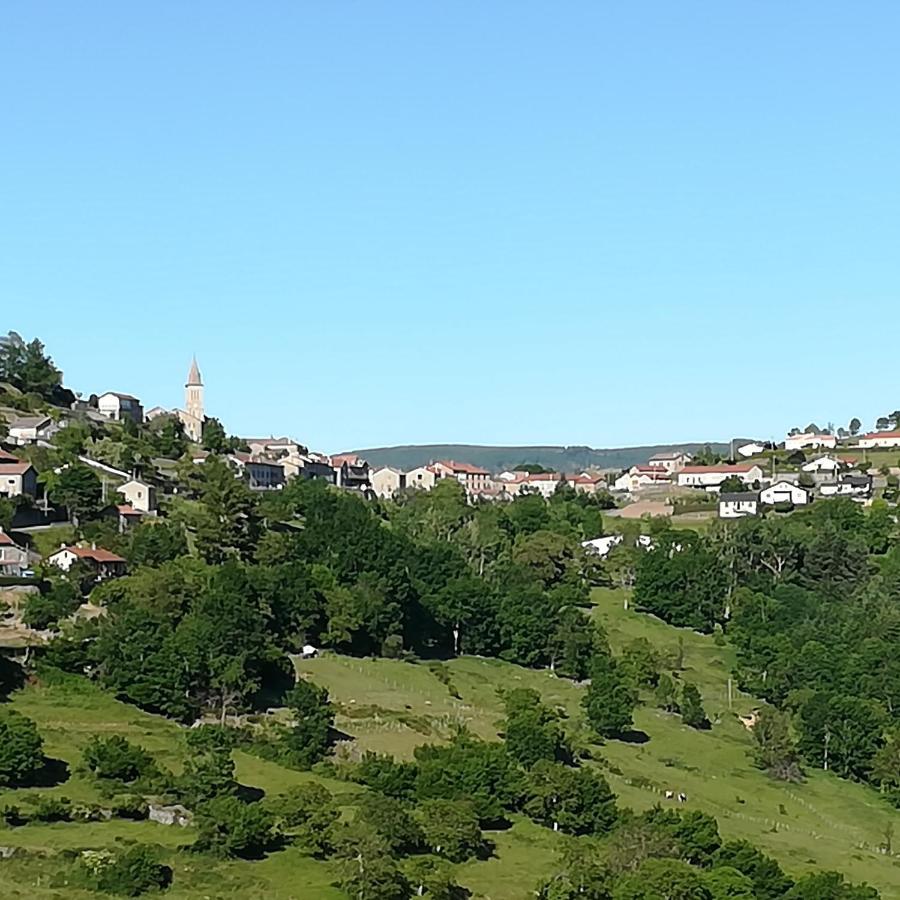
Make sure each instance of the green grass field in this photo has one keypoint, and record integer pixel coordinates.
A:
(393, 706)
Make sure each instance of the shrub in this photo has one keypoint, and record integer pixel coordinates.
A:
(114, 757)
(230, 828)
(52, 809)
(21, 749)
(131, 873)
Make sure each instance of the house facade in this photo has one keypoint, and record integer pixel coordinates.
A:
(17, 477)
(710, 477)
(810, 440)
(585, 483)
(670, 462)
(386, 481)
(351, 472)
(754, 448)
(856, 486)
(822, 464)
(543, 483)
(13, 558)
(641, 476)
(473, 478)
(738, 505)
(785, 492)
(422, 478)
(140, 495)
(31, 429)
(876, 439)
(275, 447)
(118, 406)
(104, 563)
(261, 474)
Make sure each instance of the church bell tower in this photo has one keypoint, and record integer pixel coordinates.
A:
(193, 395)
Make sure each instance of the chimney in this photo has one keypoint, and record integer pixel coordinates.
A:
(93, 545)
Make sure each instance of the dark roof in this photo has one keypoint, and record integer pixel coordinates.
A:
(739, 496)
(857, 480)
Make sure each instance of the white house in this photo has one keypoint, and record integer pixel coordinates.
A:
(586, 483)
(116, 406)
(543, 483)
(672, 461)
(105, 563)
(809, 439)
(848, 486)
(880, 439)
(140, 495)
(784, 492)
(422, 477)
(386, 481)
(739, 504)
(641, 476)
(31, 429)
(752, 449)
(602, 545)
(822, 464)
(710, 477)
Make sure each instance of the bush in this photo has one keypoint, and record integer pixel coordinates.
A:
(21, 749)
(230, 828)
(114, 757)
(45, 610)
(12, 816)
(52, 809)
(131, 873)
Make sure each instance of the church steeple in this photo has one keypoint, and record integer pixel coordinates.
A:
(194, 412)
(194, 378)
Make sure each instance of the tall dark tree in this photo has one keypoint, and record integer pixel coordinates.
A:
(774, 749)
(692, 712)
(533, 731)
(609, 701)
(308, 739)
(78, 489)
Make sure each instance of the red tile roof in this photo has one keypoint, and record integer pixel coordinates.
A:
(722, 469)
(462, 468)
(880, 434)
(350, 458)
(6, 540)
(96, 554)
(16, 468)
(7, 458)
(126, 509)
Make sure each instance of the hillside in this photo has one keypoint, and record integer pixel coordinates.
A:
(394, 706)
(496, 459)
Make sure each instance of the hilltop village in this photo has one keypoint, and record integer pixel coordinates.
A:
(137, 483)
(238, 661)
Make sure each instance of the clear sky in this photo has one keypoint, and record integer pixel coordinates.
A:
(492, 222)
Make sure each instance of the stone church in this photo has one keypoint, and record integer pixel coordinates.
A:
(192, 415)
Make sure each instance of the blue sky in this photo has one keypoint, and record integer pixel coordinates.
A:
(503, 222)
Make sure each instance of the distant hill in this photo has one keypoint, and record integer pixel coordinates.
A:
(496, 459)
